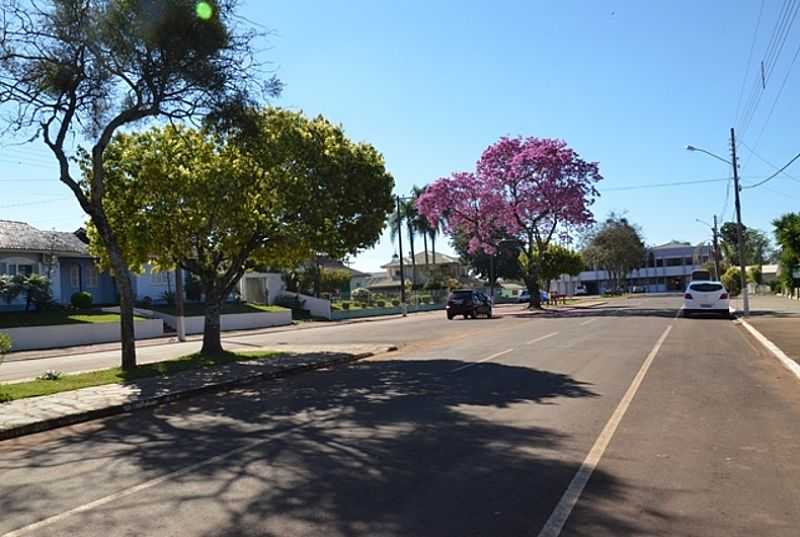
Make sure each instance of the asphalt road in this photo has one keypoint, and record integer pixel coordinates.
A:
(652, 425)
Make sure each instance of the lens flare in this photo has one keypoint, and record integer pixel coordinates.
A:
(204, 10)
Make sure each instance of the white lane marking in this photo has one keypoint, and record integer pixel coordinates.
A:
(590, 321)
(25, 530)
(566, 504)
(492, 357)
(787, 362)
(541, 338)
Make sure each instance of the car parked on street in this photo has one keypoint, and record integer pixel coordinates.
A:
(706, 297)
(525, 297)
(468, 303)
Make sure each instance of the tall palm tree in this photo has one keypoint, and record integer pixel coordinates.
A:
(422, 224)
(408, 215)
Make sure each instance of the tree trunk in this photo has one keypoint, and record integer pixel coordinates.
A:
(413, 261)
(122, 277)
(425, 244)
(433, 247)
(212, 338)
(532, 281)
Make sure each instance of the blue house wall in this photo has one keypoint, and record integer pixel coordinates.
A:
(75, 277)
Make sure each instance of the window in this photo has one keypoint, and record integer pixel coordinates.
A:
(705, 287)
(688, 261)
(659, 262)
(159, 278)
(3, 268)
(674, 262)
(91, 277)
(27, 270)
(75, 276)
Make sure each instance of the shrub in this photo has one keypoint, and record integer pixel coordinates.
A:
(381, 303)
(732, 281)
(147, 301)
(395, 302)
(345, 306)
(168, 297)
(361, 294)
(37, 291)
(290, 301)
(5, 345)
(81, 300)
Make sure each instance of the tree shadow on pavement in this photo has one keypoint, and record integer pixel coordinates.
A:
(598, 311)
(379, 448)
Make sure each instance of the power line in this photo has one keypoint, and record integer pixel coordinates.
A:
(664, 185)
(749, 60)
(774, 175)
(26, 204)
(768, 163)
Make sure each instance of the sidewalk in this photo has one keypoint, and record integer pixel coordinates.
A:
(778, 319)
(27, 416)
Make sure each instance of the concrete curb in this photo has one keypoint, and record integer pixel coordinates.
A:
(776, 351)
(81, 417)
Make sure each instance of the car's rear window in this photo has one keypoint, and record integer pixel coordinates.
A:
(706, 287)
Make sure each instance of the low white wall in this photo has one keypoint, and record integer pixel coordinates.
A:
(69, 335)
(231, 321)
(318, 307)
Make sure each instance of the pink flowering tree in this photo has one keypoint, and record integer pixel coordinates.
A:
(531, 189)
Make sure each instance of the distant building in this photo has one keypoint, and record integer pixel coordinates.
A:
(665, 268)
(443, 268)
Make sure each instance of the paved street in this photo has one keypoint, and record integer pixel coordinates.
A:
(473, 428)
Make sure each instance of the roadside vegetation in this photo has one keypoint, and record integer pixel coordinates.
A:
(17, 319)
(54, 382)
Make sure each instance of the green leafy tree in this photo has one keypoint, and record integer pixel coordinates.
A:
(84, 69)
(333, 280)
(757, 249)
(732, 281)
(616, 246)
(558, 260)
(216, 205)
(754, 275)
(506, 263)
(787, 235)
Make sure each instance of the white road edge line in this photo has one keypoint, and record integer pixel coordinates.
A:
(558, 518)
(541, 338)
(25, 530)
(590, 321)
(787, 362)
(492, 357)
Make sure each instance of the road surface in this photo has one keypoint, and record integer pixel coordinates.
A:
(618, 420)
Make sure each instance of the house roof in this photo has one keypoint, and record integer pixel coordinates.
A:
(441, 259)
(672, 244)
(22, 237)
(335, 264)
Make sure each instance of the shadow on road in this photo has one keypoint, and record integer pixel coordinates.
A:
(389, 448)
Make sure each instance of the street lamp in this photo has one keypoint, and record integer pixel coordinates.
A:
(739, 230)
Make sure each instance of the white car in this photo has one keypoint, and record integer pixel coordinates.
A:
(707, 297)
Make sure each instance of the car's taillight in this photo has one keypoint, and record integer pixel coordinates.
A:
(723, 296)
(688, 296)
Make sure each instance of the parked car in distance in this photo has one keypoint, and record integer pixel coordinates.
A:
(706, 297)
(580, 290)
(525, 297)
(468, 303)
(637, 289)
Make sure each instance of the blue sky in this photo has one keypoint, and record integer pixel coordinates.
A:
(431, 84)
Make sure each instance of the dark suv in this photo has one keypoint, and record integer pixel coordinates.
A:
(468, 303)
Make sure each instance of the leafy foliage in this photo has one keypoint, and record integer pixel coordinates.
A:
(732, 280)
(5, 344)
(615, 245)
(81, 300)
(756, 245)
(530, 189)
(787, 235)
(10, 287)
(220, 204)
(558, 260)
(506, 254)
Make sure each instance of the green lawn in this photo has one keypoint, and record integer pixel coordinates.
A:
(21, 390)
(16, 319)
(194, 309)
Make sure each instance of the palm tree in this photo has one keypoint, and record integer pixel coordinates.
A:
(408, 213)
(422, 225)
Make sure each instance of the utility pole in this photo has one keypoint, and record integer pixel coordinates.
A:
(739, 230)
(402, 272)
(180, 328)
(716, 249)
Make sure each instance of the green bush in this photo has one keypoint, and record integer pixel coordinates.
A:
(732, 281)
(395, 302)
(5, 345)
(81, 300)
(345, 306)
(381, 303)
(168, 297)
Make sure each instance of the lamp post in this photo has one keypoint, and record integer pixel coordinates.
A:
(716, 244)
(733, 163)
